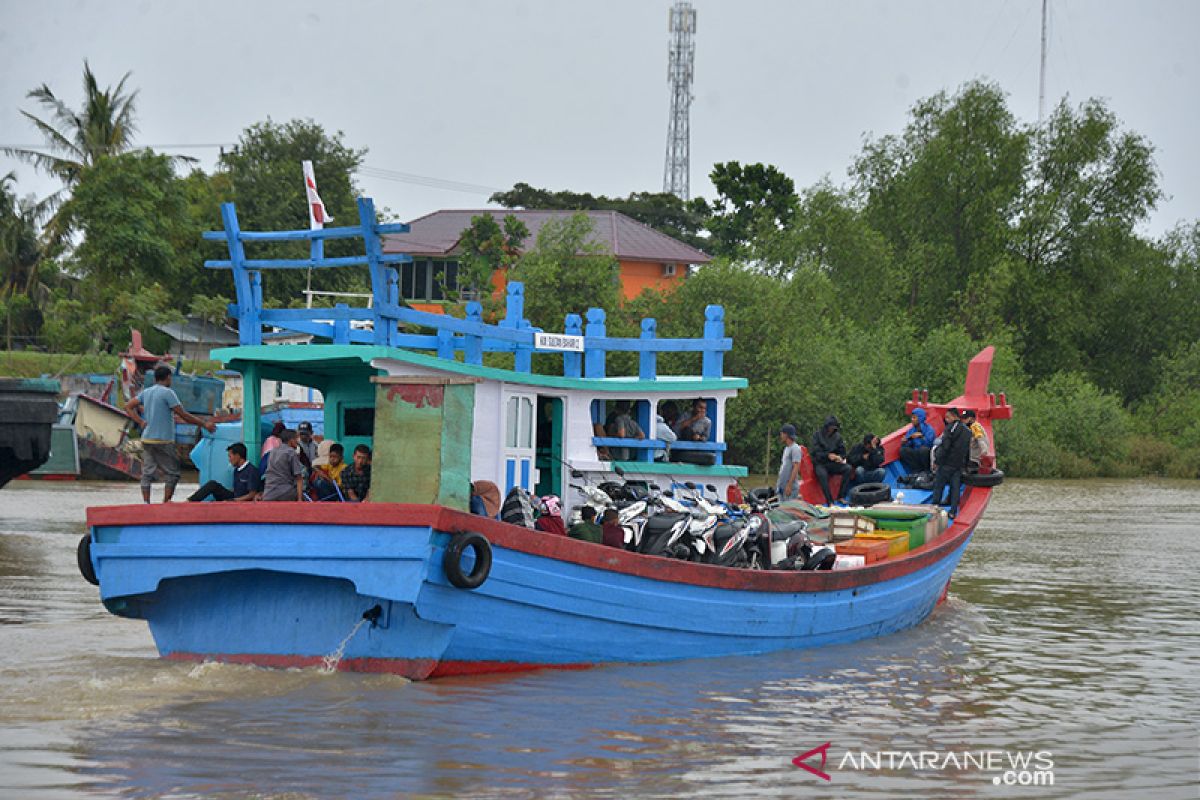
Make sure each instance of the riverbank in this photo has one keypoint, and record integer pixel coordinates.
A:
(30, 364)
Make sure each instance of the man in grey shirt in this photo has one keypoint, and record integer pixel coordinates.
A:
(307, 445)
(789, 467)
(284, 478)
(160, 406)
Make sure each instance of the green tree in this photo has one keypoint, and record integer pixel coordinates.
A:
(76, 140)
(567, 273)
(484, 248)
(662, 211)
(1089, 184)
(266, 182)
(750, 200)
(944, 194)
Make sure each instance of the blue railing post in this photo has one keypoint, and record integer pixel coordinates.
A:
(445, 344)
(379, 284)
(648, 359)
(249, 326)
(341, 325)
(514, 317)
(523, 355)
(713, 365)
(472, 343)
(594, 358)
(573, 362)
(393, 298)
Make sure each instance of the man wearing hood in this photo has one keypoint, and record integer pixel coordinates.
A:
(914, 448)
(829, 457)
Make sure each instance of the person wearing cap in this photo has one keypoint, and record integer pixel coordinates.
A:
(829, 457)
(979, 441)
(308, 448)
(788, 485)
(951, 460)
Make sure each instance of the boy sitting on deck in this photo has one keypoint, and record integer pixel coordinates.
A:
(356, 480)
(325, 482)
(246, 484)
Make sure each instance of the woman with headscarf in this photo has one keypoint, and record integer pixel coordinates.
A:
(551, 520)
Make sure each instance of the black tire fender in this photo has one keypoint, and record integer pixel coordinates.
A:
(83, 557)
(868, 494)
(452, 560)
(982, 479)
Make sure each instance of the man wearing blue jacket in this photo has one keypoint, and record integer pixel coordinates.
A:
(914, 448)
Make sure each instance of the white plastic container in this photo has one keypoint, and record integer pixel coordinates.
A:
(849, 562)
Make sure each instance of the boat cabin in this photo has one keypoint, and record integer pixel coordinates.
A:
(458, 400)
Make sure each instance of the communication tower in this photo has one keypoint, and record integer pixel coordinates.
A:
(682, 51)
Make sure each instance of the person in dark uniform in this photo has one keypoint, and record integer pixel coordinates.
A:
(951, 457)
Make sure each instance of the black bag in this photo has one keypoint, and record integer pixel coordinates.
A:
(517, 508)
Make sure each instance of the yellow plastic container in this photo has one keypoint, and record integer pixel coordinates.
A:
(897, 541)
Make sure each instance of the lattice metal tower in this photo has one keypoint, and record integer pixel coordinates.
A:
(682, 27)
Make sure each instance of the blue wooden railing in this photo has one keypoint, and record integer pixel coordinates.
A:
(471, 337)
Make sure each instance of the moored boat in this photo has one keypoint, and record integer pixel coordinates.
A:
(28, 410)
(410, 582)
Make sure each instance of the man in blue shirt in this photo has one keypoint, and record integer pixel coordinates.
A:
(246, 485)
(160, 405)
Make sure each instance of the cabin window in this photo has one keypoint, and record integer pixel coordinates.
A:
(518, 429)
(423, 279)
(358, 422)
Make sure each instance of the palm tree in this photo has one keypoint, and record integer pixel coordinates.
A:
(20, 250)
(76, 140)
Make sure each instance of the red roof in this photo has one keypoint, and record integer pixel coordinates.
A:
(437, 234)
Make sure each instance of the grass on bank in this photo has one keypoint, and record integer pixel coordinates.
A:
(26, 364)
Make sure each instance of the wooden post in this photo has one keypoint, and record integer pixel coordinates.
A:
(249, 326)
(594, 358)
(573, 362)
(714, 328)
(380, 290)
(648, 359)
(472, 343)
(251, 411)
(341, 326)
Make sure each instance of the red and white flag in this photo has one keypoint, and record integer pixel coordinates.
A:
(317, 216)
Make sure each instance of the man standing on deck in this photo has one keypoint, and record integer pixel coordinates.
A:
(951, 460)
(788, 485)
(160, 406)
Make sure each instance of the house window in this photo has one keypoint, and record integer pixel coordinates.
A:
(422, 279)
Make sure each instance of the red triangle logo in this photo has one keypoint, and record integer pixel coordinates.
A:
(819, 772)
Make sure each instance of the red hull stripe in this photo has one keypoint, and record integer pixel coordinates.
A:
(414, 668)
(546, 545)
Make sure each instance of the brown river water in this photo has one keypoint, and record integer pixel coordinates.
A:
(1071, 637)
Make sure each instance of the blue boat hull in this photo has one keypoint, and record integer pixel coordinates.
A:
(263, 592)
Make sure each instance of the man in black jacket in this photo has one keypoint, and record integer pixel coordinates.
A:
(829, 457)
(951, 459)
(866, 459)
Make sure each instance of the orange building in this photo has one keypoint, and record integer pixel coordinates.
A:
(649, 259)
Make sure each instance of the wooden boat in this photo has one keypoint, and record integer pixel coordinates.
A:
(412, 584)
(28, 410)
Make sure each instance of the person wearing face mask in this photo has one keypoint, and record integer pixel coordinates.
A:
(951, 461)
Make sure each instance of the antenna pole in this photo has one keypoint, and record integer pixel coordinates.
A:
(682, 50)
(1042, 75)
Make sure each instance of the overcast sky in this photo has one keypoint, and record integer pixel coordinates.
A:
(572, 95)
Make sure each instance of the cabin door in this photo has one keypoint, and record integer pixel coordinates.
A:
(519, 451)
